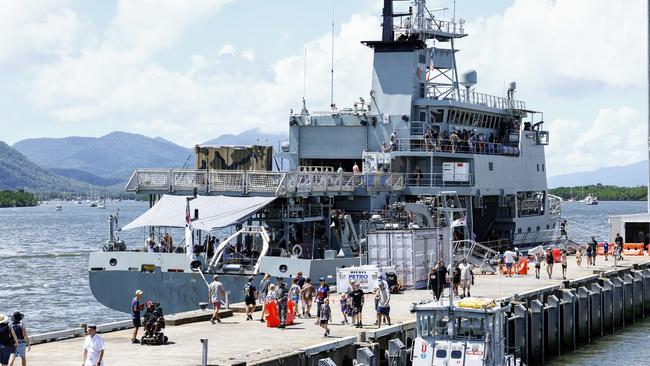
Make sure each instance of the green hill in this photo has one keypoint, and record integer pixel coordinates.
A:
(603, 192)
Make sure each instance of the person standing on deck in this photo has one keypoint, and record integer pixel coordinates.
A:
(618, 249)
(606, 249)
(136, 307)
(294, 293)
(217, 295)
(93, 354)
(466, 277)
(307, 293)
(264, 291)
(563, 261)
(438, 278)
(322, 293)
(509, 259)
(383, 308)
(325, 315)
(539, 257)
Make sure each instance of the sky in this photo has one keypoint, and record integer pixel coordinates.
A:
(192, 70)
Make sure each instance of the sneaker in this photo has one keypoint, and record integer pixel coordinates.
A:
(261, 320)
(218, 320)
(327, 333)
(135, 341)
(212, 321)
(281, 326)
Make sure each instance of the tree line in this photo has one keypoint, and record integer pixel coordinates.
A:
(18, 198)
(603, 192)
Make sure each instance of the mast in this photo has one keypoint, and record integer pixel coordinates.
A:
(648, 196)
(387, 29)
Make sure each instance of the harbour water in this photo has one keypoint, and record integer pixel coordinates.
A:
(44, 254)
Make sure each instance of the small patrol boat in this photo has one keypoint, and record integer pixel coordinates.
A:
(469, 332)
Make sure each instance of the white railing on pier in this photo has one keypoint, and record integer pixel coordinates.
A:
(246, 182)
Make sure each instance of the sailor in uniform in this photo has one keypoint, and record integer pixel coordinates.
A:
(281, 296)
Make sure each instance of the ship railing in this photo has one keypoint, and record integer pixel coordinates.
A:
(472, 97)
(541, 237)
(417, 144)
(168, 180)
(477, 253)
(439, 180)
(263, 181)
(554, 206)
(384, 181)
(227, 181)
(426, 25)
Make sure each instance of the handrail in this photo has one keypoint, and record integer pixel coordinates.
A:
(456, 146)
(439, 180)
(473, 97)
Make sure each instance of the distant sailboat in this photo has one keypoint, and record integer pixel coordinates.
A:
(591, 200)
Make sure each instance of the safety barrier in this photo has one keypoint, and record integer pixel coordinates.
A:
(600, 249)
(520, 267)
(635, 249)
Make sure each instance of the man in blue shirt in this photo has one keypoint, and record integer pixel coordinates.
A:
(135, 315)
(322, 293)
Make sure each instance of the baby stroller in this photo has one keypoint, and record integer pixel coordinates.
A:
(154, 323)
(393, 285)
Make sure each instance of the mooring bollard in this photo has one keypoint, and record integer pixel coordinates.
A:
(227, 299)
(204, 353)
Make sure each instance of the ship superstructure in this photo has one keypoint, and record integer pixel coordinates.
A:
(423, 151)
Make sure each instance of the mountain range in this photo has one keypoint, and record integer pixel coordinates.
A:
(630, 175)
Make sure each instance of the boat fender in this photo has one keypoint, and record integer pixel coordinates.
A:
(296, 250)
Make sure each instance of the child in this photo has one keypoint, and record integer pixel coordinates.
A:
(294, 293)
(564, 264)
(579, 257)
(325, 313)
(345, 308)
(538, 264)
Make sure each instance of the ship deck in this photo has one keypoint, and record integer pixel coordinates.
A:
(237, 341)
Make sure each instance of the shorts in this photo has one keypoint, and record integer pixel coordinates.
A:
(323, 322)
(307, 302)
(564, 266)
(356, 310)
(250, 300)
(294, 299)
(465, 283)
(5, 352)
(137, 322)
(508, 265)
(384, 310)
(216, 305)
(20, 350)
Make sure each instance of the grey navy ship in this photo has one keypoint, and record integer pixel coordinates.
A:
(423, 152)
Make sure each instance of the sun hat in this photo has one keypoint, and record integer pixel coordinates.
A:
(138, 292)
(3, 318)
(92, 326)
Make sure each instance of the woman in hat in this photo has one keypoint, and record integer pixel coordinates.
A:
(19, 333)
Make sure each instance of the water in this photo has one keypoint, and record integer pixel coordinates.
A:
(44, 261)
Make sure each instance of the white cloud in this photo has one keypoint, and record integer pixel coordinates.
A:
(613, 138)
(121, 81)
(558, 47)
(30, 30)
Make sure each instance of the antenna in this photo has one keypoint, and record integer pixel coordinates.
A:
(304, 75)
(332, 80)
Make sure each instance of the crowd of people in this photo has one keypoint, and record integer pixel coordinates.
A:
(14, 341)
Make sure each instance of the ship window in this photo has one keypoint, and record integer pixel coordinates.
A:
(529, 229)
(542, 167)
(456, 354)
(519, 231)
(441, 353)
(423, 116)
(553, 225)
(538, 228)
(491, 166)
(547, 227)
(537, 167)
(422, 90)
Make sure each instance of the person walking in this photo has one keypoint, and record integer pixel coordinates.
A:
(325, 316)
(549, 263)
(579, 257)
(383, 309)
(345, 308)
(217, 295)
(93, 348)
(22, 341)
(509, 259)
(250, 295)
(264, 292)
(606, 250)
(357, 297)
(594, 250)
(438, 279)
(307, 293)
(6, 340)
(322, 293)
(563, 261)
(466, 277)
(136, 307)
(589, 255)
(294, 294)
(301, 280)
(618, 248)
(282, 298)
(455, 279)
(539, 258)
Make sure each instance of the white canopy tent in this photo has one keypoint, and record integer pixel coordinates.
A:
(215, 212)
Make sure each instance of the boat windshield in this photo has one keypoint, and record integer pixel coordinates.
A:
(433, 324)
(470, 328)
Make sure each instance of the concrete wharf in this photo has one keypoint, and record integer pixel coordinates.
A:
(550, 317)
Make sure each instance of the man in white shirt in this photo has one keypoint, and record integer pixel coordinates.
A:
(509, 259)
(465, 277)
(217, 295)
(93, 354)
